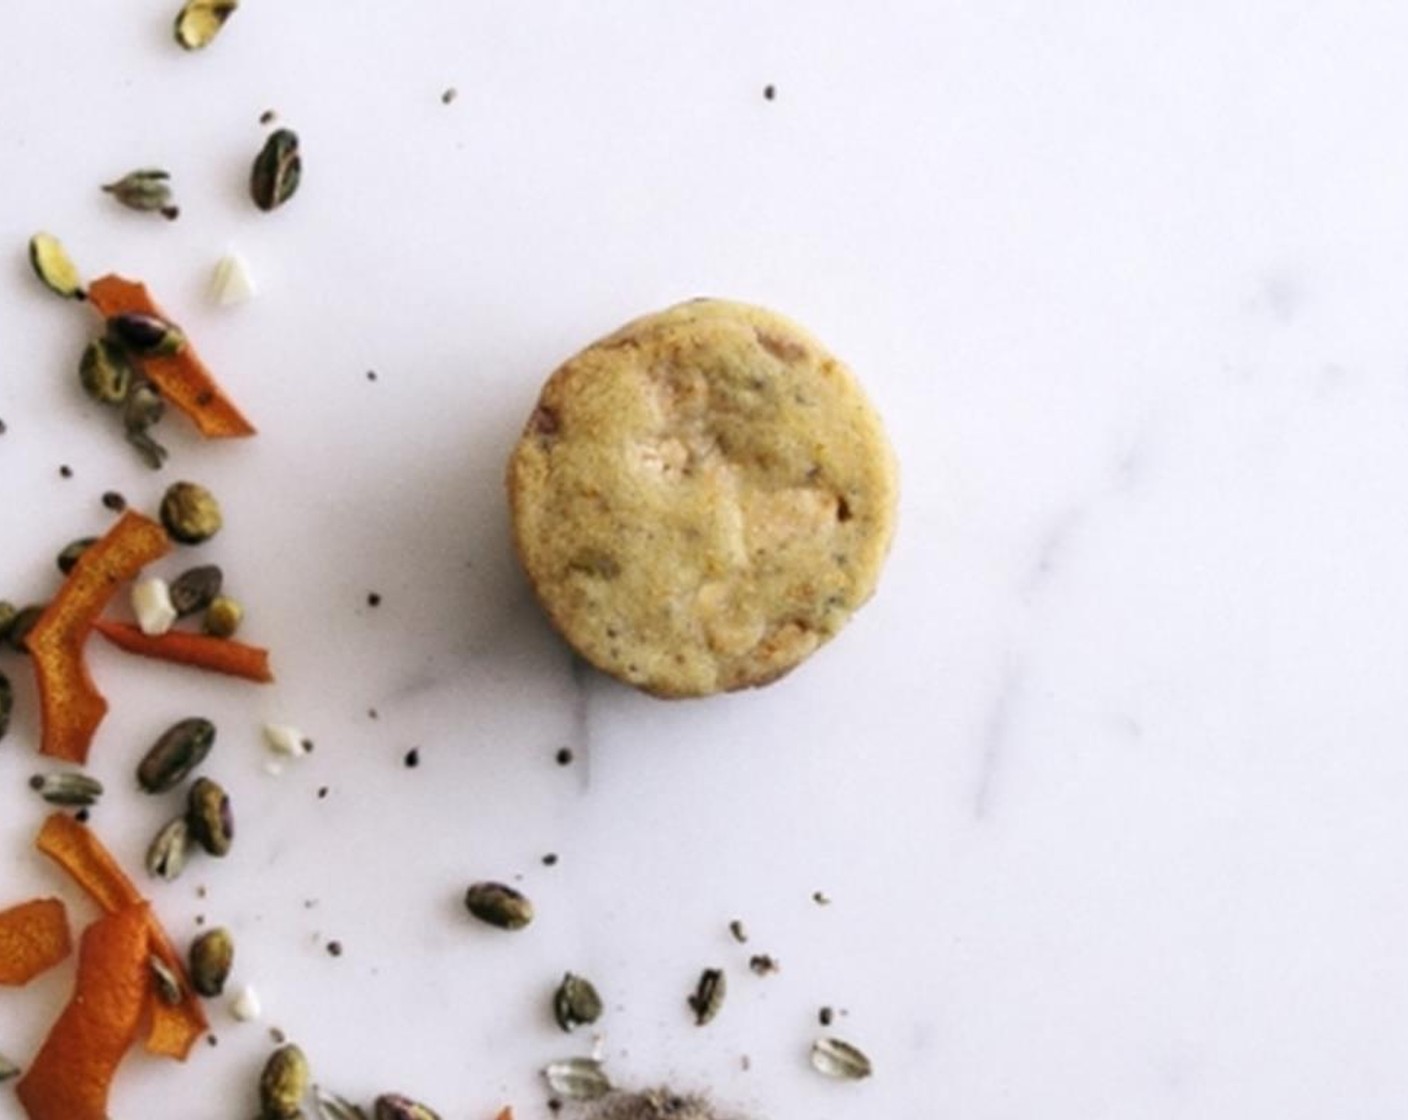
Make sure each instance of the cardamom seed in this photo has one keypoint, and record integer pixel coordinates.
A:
(168, 985)
(177, 751)
(223, 617)
(7, 703)
(147, 335)
(498, 905)
(211, 957)
(190, 513)
(77, 790)
(708, 995)
(393, 1106)
(283, 1084)
(332, 1107)
(166, 857)
(17, 634)
(277, 170)
(576, 1002)
(577, 1079)
(147, 189)
(8, 1069)
(106, 372)
(53, 266)
(144, 409)
(72, 551)
(195, 589)
(834, 1058)
(200, 21)
(208, 813)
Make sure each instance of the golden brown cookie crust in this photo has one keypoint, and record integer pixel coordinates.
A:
(702, 498)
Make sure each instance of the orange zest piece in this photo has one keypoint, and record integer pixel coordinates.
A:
(182, 378)
(71, 706)
(70, 1077)
(505, 1113)
(74, 847)
(33, 938)
(220, 655)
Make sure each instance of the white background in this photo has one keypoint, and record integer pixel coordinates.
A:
(1107, 785)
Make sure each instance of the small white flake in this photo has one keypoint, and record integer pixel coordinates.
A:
(151, 603)
(284, 740)
(245, 1006)
(273, 767)
(231, 282)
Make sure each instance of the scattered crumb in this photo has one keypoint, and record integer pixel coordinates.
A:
(412, 759)
(371, 375)
(334, 948)
(550, 860)
(821, 898)
(277, 1037)
(322, 792)
(373, 599)
(66, 471)
(268, 116)
(114, 501)
(770, 92)
(286, 741)
(739, 930)
(211, 1040)
(81, 816)
(763, 964)
(449, 96)
(372, 713)
(826, 1016)
(564, 756)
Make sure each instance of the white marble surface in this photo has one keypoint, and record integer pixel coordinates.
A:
(1107, 785)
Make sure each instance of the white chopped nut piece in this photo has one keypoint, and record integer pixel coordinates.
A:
(231, 282)
(273, 767)
(151, 603)
(245, 1006)
(285, 740)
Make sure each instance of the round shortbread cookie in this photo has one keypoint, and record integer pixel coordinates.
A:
(702, 498)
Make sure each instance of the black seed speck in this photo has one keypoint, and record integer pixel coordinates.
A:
(770, 92)
(65, 471)
(371, 375)
(564, 756)
(114, 501)
(373, 599)
(334, 948)
(550, 859)
(412, 759)
(322, 792)
(81, 816)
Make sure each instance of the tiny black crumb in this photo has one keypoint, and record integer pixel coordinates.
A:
(201, 891)
(373, 599)
(821, 898)
(334, 948)
(65, 471)
(550, 859)
(763, 964)
(211, 1040)
(268, 116)
(825, 1016)
(372, 713)
(449, 95)
(171, 213)
(371, 375)
(554, 1105)
(322, 792)
(114, 501)
(564, 756)
(746, 1062)
(309, 903)
(412, 758)
(770, 92)
(3, 428)
(277, 1037)
(82, 815)
(200, 919)
(308, 745)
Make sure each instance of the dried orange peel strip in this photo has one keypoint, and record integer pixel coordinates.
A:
(33, 938)
(174, 1028)
(70, 1077)
(220, 655)
(71, 706)
(182, 378)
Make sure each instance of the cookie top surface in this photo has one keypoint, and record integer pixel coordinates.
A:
(702, 498)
